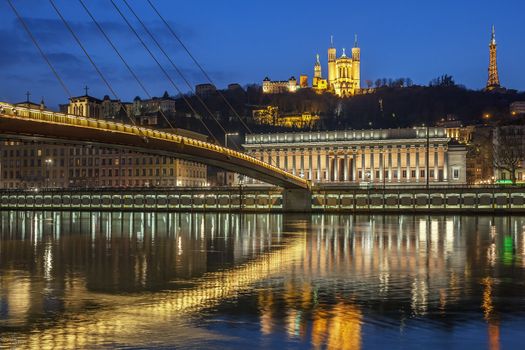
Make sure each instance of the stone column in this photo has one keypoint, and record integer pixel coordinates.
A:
(382, 164)
(417, 163)
(327, 175)
(398, 155)
(336, 167)
(436, 168)
(354, 165)
(318, 165)
(390, 164)
(345, 166)
(445, 164)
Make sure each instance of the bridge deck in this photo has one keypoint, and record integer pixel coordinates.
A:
(21, 121)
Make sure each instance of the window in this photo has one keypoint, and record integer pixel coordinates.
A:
(395, 174)
(455, 173)
(422, 173)
(404, 174)
(431, 173)
(413, 174)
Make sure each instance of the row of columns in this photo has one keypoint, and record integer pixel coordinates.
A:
(355, 164)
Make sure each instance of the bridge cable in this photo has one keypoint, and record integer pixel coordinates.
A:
(175, 67)
(199, 66)
(162, 68)
(42, 53)
(92, 62)
(177, 37)
(122, 59)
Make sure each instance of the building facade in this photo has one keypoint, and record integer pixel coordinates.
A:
(154, 105)
(386, 157)
(279, 86)
(25, 165)
(92, 107)
(271, 116)
(205, 90)
(344, 75)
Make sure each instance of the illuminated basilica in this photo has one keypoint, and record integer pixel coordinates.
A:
(344, 75)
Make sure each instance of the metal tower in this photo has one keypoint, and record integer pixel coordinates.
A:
(493, 81)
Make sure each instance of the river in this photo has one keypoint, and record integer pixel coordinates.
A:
(268, 281)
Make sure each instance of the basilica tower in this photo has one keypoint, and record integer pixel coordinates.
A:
(332, 73)
(493, 80)
(356, 65)
(317, 68)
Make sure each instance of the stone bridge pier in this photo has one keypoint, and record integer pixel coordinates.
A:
(297, 200)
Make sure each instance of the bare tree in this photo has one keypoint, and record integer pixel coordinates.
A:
(508, 152)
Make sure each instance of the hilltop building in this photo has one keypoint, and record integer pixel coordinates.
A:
(344, 75)
(205, 90)
(92, 107)
(154, 105)
(271, 116)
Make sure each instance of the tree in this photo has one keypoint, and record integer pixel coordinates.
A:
(443, 81)
(509, 149)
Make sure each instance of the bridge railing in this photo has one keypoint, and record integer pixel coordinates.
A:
(12, 111)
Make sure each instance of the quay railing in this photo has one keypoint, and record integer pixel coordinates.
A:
(350, 200)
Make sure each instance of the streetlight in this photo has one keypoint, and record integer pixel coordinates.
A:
(48, 162)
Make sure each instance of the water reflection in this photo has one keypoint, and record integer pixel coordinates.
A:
(341, 282)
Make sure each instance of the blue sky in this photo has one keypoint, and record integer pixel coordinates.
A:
(244, 41)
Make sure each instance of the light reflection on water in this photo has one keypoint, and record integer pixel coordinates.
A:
(71, 280)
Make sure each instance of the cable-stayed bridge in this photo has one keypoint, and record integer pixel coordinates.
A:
(26, 122)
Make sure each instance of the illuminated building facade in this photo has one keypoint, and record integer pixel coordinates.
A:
(271, 116)
(277, 87)
(165, 104)
(92, 107)
(382, 157)
(344, 75)
(39, 165)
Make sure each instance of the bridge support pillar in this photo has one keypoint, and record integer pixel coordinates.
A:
(297, 200)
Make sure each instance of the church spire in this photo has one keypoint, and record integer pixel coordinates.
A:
(331, 41)
(493, 37)
(355, 40)
(317, 61)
